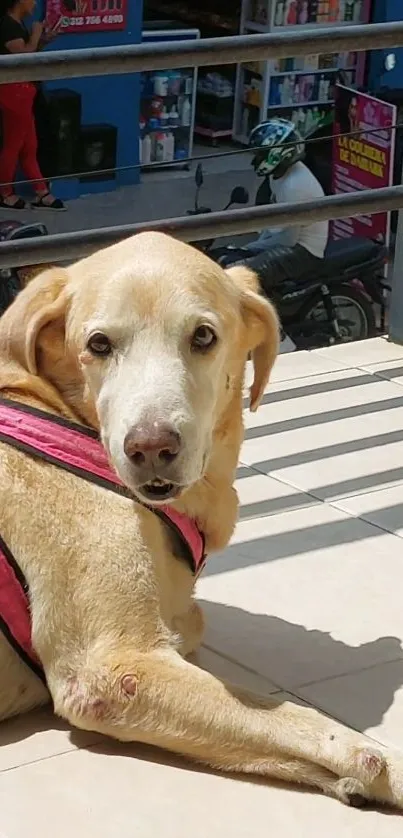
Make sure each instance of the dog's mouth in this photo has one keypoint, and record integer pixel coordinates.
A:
(160, 491)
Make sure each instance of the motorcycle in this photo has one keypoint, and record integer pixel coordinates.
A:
(12, 280)
(337, 304)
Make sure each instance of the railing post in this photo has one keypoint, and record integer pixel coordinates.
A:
(396, 297)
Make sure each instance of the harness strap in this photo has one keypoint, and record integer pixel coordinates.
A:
(77, 449)
(15, 617)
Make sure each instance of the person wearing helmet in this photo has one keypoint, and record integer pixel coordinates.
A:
(283, 252)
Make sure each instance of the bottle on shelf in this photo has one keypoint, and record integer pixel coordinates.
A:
(357, 11)
(291, 13)
(349, 10)
(161, 84)
(323, 11)
(164, 117)
(296, 96)
(301, 121)
(279, 13)
(309, 121)
(334, 11)
(322, 88)
(286, 91)
(294, 117)
(146, 148)
(186, 112)
(313, 11)
(169, 147)
(303, 13)
(173, 119)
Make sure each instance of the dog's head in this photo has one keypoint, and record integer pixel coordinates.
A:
(151, 338)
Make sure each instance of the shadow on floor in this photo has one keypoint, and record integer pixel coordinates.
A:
(271, 636)
(300, 541)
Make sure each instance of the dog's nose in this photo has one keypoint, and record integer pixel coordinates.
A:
(154, 444)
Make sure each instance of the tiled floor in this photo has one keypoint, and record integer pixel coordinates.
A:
(307, 601)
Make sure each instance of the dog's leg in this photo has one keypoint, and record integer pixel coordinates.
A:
(163, 700)
(190, 627)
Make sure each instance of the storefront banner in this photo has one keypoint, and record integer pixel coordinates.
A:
(86, 15)
(363, 161)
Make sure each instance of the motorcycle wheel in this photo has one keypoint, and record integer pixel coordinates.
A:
(353, 309)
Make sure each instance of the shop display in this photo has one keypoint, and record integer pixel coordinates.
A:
(167, 101)
(215, 105)
(58, 128)
(97, 152)
(301, 89)
(86, 15)
(292, 12)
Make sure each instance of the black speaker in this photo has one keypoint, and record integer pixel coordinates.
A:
(58, 118)
(97, 151)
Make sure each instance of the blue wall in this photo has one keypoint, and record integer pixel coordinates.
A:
(384, 11)
(111, 99)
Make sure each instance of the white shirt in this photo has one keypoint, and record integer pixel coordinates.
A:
(298, 184)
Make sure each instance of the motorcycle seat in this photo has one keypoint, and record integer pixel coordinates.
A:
(345, 254)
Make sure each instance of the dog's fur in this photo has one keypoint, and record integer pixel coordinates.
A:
(113, 615)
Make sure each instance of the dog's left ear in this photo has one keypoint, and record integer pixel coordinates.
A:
(262, 330)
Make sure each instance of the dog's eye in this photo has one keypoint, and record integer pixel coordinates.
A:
(99, 344)
(203, 338)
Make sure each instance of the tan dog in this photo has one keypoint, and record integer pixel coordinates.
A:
(147, 341)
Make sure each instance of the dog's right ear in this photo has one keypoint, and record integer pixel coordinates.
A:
(43, 300)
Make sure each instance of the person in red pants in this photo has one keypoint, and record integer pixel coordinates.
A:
(19, 140)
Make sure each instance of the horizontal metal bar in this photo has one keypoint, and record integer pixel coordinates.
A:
(64, 247)
(135, 58)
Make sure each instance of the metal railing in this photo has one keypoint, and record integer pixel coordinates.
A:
(212, 51)
(135, 58)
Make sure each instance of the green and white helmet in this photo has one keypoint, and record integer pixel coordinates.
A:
(278, 143)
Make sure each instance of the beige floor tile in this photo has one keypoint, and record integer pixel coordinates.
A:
(35, 736)
(334, 435)
(391, 370)
(262, 495)
(306, 595)
(316, 397)
(362, 353)
(383, 508)
(300, 364)
(370, 468)
(133, 791)
(370, 700)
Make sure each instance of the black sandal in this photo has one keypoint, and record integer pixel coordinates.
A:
(18, 205)
(56, 204)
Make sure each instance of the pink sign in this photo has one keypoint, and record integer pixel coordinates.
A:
(86, 15)
(363, 160)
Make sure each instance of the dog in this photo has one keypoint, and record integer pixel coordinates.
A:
(145, 343)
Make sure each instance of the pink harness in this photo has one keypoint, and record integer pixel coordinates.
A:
(77, 449)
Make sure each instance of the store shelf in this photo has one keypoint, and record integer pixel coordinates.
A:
(322, 71)
(158, 131)
(263, 28)
(149, 96)
(251, 84)
(300, 104)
